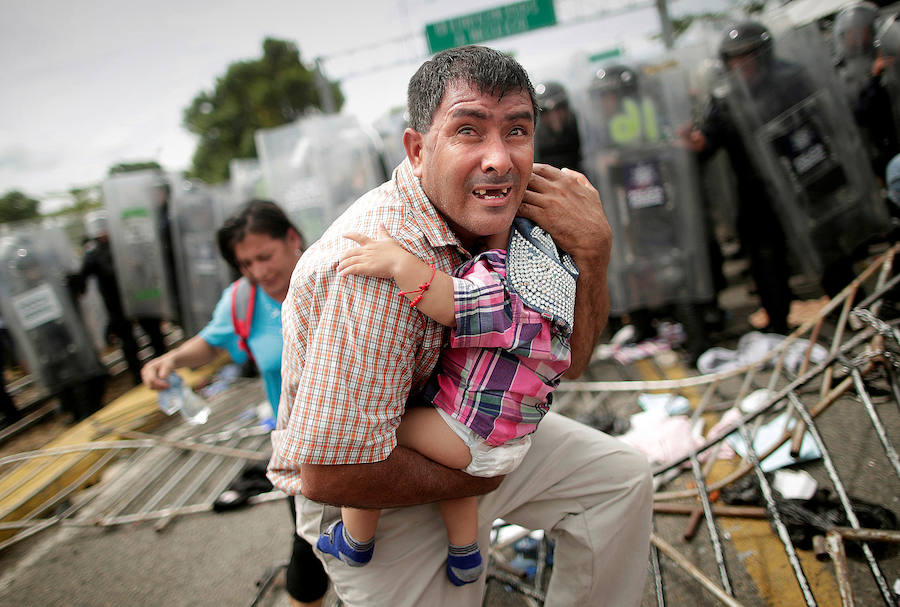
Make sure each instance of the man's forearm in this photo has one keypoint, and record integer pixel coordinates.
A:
(405, 478)
(591, 313)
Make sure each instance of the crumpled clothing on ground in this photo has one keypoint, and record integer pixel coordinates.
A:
(752, 347)
(766, 436)
(662, 438)
(624, 351)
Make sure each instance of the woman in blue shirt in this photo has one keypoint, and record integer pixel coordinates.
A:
(263, 245)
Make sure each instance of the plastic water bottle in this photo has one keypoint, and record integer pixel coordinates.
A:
(170, 398)
(194, 409)
(180, 397)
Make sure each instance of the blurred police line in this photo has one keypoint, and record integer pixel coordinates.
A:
(782, 168)
(161, 234)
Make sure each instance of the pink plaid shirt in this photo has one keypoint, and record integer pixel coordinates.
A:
(503, 360)
(354, 349)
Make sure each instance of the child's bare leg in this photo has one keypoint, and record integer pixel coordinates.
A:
(351, 539)
(359, 523)
(464, 563)
(461, 519)
(424, 430)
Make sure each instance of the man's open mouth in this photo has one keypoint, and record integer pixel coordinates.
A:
(492, 194)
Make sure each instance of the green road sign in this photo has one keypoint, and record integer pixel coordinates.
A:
(604, 55)
(493, 23)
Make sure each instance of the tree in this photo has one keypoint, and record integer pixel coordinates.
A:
(16, 206)
(755, 7)
(260, 93)
(86, 199)
(127, 167)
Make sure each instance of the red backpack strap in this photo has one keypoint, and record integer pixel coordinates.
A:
(243, 298)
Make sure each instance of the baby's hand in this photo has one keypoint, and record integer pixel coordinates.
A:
(373, 257)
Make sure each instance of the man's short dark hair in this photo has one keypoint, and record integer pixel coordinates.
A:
(486, 69)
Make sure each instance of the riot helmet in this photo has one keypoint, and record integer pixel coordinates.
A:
(747, 49)
(24, 264)
(854, 30)
(744, 39)
(551, 95)
(95, 224)
(618, 79)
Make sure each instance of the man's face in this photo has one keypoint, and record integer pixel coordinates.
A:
(475, 160)
(858, 39)
(556, 118)
(609, 102)
(747, 66)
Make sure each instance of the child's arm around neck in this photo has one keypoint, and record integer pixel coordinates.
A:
(429, 290)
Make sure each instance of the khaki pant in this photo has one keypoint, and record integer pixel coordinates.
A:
(589, 491)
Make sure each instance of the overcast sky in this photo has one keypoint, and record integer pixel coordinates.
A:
(91, 83)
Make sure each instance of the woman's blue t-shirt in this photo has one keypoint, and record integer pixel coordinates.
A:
(265, 339)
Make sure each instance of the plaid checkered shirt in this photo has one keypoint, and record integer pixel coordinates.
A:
(354, 349)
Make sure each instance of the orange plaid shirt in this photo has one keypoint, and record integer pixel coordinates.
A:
(354, 349)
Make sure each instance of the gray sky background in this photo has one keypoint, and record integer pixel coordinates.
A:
(92, 83)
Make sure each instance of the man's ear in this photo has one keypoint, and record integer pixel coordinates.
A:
(414, 143)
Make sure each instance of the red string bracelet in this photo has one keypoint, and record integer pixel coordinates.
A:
(421, 290)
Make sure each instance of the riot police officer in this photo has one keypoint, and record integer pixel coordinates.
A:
(796, 171)
(748, 47)
(47, 330)
(877, 107)
(651, 191)
(854, 45)
(137, 206)
(98, 262)
(556, 139)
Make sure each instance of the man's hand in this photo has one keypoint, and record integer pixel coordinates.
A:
(565, 204)
(881, 63)
(691, 138)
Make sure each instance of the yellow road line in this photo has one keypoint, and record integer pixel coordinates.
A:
(759, 550)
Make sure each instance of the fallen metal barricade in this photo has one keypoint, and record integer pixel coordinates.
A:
(863, 350)
(181, 470)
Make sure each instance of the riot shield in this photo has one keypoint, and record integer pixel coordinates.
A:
(39, 311)
(137, 212)
(196, 213)
(93, 313)
(889, 47)
(853, 73)
(799, 133)
(649, 186)
(315, 167)
(245, 179)
(390, 128)
(853, 38)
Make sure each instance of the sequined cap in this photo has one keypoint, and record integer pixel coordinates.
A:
(541, 274)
